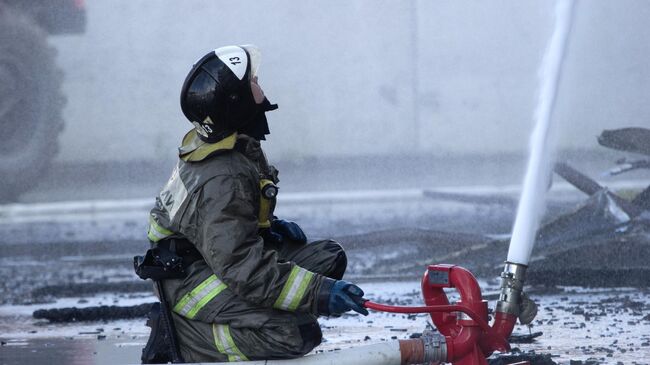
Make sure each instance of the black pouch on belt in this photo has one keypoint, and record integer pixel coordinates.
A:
(162, 261)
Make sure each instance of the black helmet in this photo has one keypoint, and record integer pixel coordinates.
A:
(217, 97)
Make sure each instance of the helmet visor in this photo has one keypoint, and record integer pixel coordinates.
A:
(255, 58)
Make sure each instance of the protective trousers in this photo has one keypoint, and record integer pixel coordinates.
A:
(242, 331)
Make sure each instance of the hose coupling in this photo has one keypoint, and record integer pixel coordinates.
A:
(512, 284)
(435, 347)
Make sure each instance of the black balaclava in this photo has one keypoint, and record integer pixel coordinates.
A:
(258, 127)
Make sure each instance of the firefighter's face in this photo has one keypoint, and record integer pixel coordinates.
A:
(258, 93)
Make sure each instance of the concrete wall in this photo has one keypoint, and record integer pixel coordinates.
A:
(355, 77)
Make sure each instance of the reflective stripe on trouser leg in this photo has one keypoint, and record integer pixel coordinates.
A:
(156, 232)
(194, 301)
(294, 289)
(225, 343)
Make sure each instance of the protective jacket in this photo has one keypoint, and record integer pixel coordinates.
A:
(213, 199)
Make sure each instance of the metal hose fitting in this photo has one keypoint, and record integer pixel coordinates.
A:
(435, 347)
(512, 283)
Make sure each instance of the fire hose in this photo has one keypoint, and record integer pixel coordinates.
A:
(430, 309)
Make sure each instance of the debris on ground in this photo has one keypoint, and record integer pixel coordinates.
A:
(96, 313)
(604, 241)
(517, 357)
(524, 338)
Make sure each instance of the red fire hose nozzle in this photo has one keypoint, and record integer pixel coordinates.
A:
(469, 339)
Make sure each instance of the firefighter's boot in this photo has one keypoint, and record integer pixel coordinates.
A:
(158, 348)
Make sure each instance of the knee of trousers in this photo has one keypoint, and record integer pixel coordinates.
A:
(311, 335)
(339, 259)
(285, 337)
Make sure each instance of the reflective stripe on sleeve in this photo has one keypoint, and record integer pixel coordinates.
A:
(156, 232)
(294, 289)
(194, 301)
(225, 343)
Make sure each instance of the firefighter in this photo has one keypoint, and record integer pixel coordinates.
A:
(253, 285)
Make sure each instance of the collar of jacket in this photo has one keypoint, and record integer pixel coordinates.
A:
(194, 149)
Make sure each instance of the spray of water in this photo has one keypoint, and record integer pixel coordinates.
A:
(542, 142)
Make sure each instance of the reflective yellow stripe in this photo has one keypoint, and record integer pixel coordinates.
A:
(300, 291)
(225, 343)
(156, 232)
(154, 236)
(194, 301)
(294, 289)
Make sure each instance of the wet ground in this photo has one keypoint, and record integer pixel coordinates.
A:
(79, 255)
(604, 326)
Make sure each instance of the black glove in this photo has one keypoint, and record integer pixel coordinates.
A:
(339, 296)
(527, 309)
(286, 230)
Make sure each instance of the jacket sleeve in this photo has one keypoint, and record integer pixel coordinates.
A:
(224, 230)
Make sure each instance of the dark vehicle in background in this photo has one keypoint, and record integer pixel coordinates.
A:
(31, 100)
